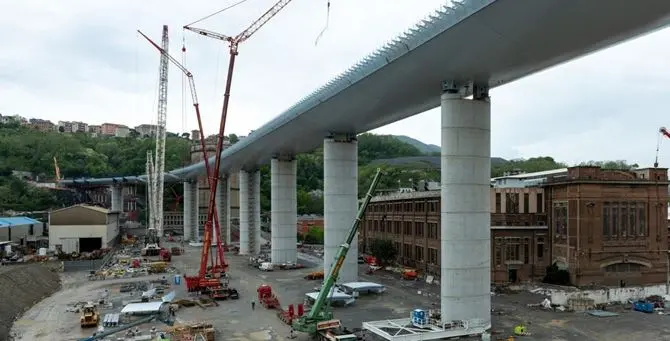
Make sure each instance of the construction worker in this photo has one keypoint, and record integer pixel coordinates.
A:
(253, 304)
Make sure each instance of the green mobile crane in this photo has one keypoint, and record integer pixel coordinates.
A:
(319, 320)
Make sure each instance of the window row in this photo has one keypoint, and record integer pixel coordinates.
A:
(514, 203)
(407, 228)
(624, 219)
(517, 250)
(423, 206)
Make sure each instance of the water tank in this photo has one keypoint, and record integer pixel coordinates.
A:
(419, 317)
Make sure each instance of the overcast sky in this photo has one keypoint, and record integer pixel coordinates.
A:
(82, 60)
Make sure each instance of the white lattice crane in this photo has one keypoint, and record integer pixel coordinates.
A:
(158, 185)
(150, 189)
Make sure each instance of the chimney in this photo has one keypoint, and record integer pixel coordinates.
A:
(195, 135)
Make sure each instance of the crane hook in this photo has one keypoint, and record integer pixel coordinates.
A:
(316, 42)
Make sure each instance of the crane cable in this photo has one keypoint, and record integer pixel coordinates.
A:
(658, 147)
(183, 83)
(217, 12)
(316, 42)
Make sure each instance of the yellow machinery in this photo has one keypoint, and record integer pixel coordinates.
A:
(89, 317)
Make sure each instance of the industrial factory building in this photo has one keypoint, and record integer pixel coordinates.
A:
(605, 227)
(82, 228)
(21, 230)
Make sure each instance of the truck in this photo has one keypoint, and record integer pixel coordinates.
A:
(319, 322)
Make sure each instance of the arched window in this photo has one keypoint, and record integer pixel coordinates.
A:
(624, 267)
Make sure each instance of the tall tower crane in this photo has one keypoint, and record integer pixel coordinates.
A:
(219, 265)
(150, 190)
(233, 50)
(159, 163)
(663, 131)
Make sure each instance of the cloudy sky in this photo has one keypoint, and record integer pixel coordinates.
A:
(82, 60)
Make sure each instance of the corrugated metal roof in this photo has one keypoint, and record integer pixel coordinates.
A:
(94, 208)
(16, 221)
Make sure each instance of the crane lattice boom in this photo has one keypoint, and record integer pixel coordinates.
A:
(234, 42)
(150, 185)
(159, 164)
(220, 261)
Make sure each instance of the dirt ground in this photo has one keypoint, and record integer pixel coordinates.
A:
(21, 286)
(235, 320)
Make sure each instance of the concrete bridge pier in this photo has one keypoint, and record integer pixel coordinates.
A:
(117, 198)
(250, 212)
(340, 201)
(223, 207)
(191, 211)
(465, 213)
(284, 207)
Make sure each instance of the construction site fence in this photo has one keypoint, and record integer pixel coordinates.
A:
(82, 265)
(88, 264)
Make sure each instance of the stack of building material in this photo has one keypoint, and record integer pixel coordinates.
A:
(193, 331)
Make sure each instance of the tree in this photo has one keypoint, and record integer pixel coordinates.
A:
(233, 138)
(384, 251)
(185, 136)
(313, 236)
(61, 129)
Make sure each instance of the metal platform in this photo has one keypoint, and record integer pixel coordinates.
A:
(403, 330)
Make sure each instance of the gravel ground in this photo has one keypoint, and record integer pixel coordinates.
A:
(22, 286)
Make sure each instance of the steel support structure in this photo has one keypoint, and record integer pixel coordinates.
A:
(284, 210)
(340, 201)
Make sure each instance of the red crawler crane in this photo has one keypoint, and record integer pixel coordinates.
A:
(219, 264)
(234, 44)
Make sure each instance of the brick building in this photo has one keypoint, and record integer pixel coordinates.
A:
(610, 226)
(519, 238)
(584, 206)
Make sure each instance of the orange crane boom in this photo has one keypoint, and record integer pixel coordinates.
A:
(234, 44)
(220, 263)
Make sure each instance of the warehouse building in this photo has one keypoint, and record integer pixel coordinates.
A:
(605, 227)
(82, 228)
(22, 231)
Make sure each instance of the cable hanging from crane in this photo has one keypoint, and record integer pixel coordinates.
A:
(316, 42)
(217, 12)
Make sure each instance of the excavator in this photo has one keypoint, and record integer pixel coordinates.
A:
(319, 322)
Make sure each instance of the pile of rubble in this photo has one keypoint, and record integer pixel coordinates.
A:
(129, 262)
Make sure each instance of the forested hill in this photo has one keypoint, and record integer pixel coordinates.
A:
(81, 155)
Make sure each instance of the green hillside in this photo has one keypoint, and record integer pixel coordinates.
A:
(80, 155)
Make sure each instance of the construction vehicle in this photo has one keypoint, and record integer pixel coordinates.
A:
(89, 317)
(223, 293)
(663, 131)
(319, 321)
(151, 247)
(214, 176)
(314, 275)
(266, 297)
(208, 275)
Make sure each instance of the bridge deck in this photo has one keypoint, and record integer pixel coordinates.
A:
(492, 42)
